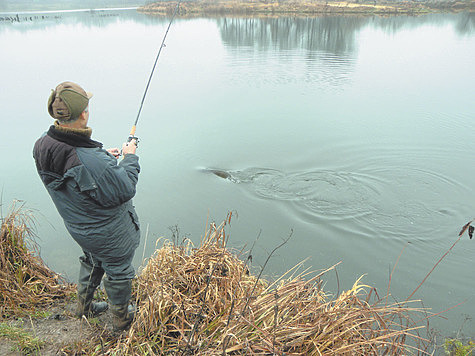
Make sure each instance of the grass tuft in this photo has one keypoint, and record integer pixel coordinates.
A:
(456, 347)
(22, 340)
(26, 283)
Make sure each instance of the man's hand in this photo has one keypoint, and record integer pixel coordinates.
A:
(114, 151)
(129, 147)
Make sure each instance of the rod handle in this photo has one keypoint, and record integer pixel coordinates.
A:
(132, 131)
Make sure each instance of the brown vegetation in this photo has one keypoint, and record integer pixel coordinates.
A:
(301, 7)
(204, 301)
(26, 283)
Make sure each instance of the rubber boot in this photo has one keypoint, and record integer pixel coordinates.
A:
(119, 293)
(89, 279)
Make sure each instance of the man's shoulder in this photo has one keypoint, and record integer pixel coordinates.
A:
(95, 158)
(41, 139)
(42, 136)
(47, 143)
(54, 156)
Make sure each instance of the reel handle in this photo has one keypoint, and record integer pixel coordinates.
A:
(130, 138)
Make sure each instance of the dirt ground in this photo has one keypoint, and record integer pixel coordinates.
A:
(58, 330)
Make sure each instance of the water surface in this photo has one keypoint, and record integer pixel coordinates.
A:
(357, 134)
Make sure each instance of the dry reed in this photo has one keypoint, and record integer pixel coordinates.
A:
(204, 301)
(26, 283)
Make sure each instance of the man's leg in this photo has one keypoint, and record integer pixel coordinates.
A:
(118, 286)
(90, 276)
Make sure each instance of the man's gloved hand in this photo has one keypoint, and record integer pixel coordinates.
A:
(129, 147)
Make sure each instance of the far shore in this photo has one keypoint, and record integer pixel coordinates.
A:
(212, 8)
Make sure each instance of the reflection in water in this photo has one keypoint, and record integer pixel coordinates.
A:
(463, 22)
(328, 43)
(466, 23)
(383, 200)
(330, 34)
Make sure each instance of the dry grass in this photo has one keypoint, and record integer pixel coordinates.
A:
(26, 283)
(282, 8)
(204, 301)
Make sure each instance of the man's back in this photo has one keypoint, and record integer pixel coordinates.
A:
(90, 190)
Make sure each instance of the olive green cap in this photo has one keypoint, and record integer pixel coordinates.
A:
(68, 101)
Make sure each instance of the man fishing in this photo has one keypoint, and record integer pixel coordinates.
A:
(93, 194)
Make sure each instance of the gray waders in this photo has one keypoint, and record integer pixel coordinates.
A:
(89, 279)
(119, 293)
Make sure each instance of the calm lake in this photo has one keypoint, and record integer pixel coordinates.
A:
(356, 134)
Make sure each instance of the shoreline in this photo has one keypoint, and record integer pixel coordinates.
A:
(255, 8)
(203, 299)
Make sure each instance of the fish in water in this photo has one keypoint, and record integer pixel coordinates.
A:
(219, 172)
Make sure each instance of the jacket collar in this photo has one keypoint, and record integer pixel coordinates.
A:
(73, 138)
(85, 132)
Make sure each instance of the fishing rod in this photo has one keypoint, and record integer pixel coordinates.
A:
(134, 126)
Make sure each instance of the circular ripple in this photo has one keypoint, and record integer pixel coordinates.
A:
(395, 201)
(319, 193)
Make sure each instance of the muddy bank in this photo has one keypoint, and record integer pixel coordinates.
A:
(52, 331)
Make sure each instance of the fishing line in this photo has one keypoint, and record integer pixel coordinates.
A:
(132, 131)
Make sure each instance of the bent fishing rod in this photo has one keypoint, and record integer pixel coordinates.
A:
(134, 126)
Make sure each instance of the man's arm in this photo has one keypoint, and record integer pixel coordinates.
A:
(116, 184)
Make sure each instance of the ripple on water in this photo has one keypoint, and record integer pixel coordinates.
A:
(392, 202)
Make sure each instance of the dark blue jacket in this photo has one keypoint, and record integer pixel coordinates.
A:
(92, 193)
